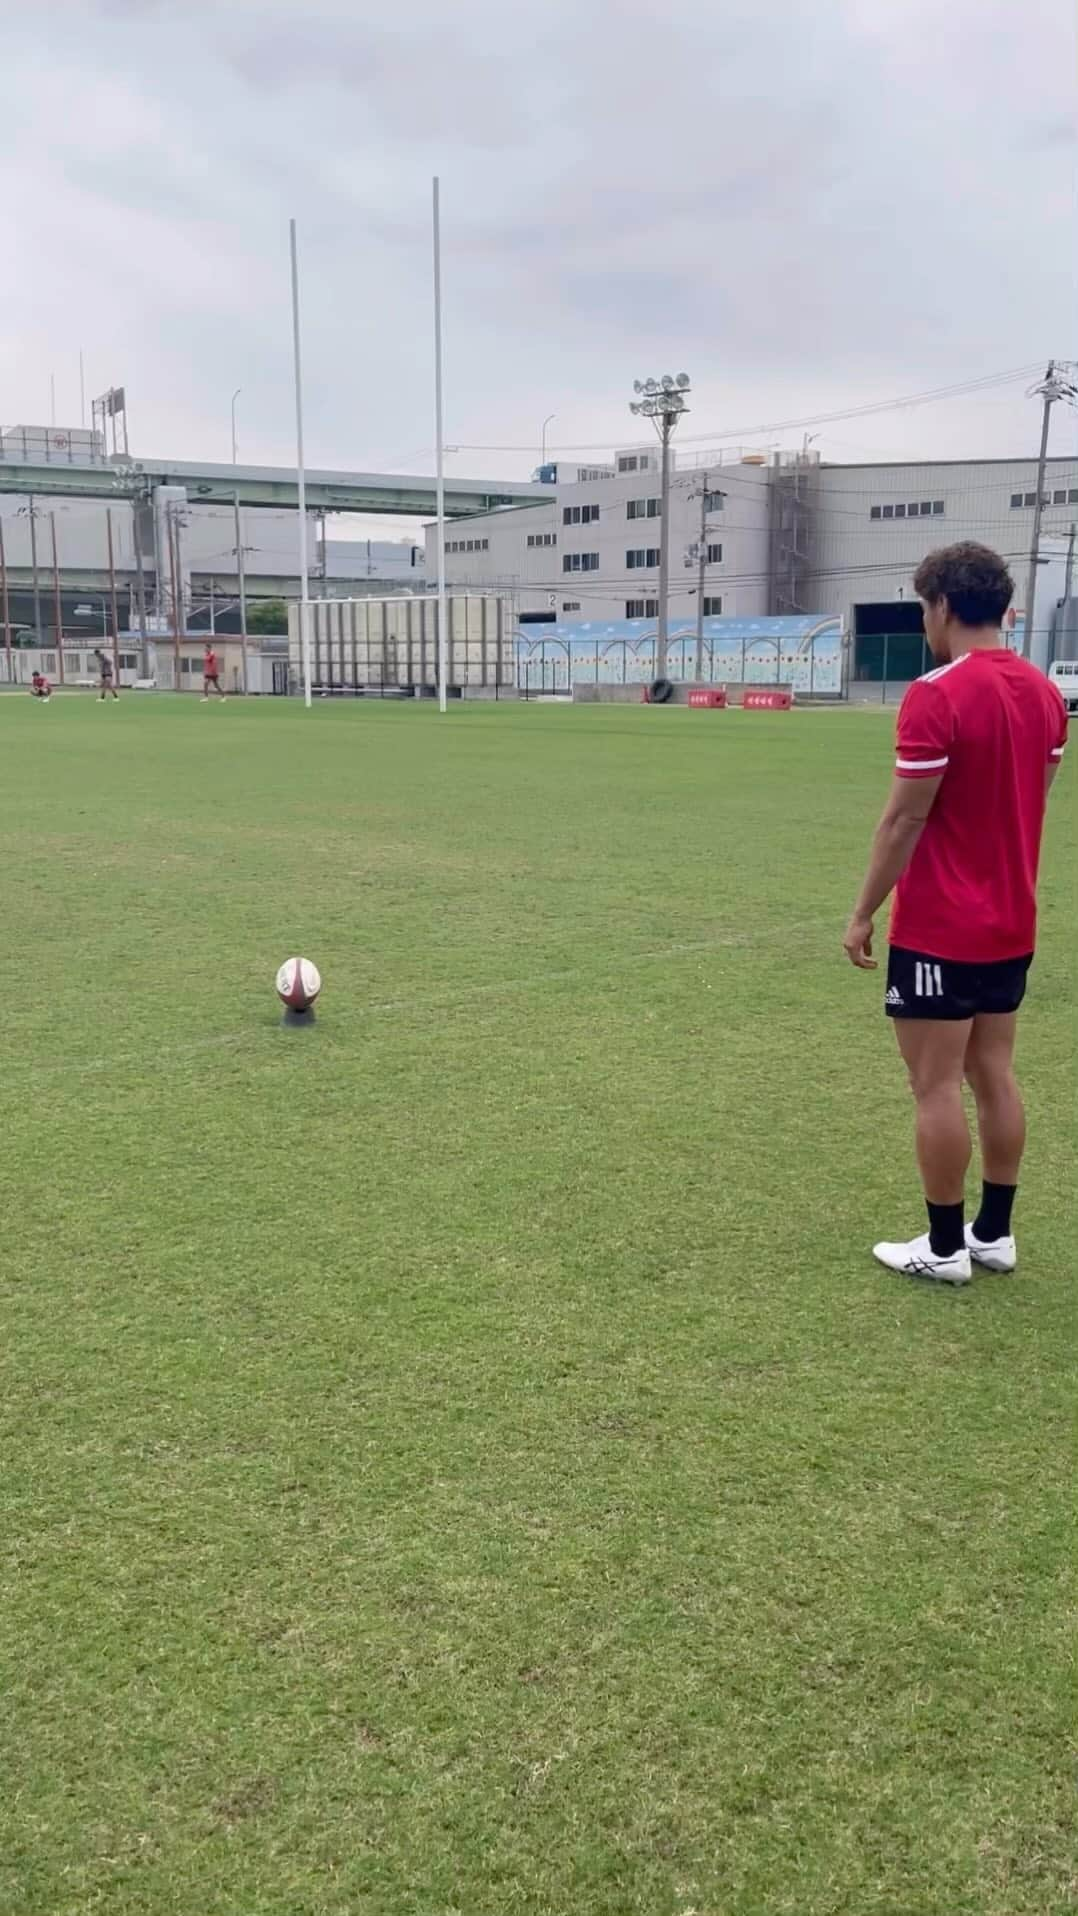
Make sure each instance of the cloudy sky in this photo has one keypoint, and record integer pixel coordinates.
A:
(808, 205)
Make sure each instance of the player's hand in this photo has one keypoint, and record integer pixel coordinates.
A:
(857, 943)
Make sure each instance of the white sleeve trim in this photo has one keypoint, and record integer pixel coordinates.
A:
(921, 764)
(1056, 752)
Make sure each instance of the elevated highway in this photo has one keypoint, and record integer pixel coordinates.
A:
(401, 494)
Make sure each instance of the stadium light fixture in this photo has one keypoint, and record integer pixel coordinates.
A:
(663, 403)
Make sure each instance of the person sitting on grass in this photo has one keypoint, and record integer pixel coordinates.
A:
(39, 686)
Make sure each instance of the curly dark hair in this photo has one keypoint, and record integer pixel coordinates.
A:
(972, 578)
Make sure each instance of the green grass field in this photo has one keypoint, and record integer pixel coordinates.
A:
(463, 1460)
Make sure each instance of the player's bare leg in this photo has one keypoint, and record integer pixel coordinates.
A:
(1001, 1124)
(934, 1053)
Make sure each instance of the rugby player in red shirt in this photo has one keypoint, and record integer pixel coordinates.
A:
(210, 673)
(979, 743)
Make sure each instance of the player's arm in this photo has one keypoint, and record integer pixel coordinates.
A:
(925, 727)
(1056, 750)
(904, 817)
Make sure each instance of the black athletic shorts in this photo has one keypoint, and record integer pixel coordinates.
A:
(920, 987)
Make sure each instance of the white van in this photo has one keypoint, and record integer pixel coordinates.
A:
(1064, 673)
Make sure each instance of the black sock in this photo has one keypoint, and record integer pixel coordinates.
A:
(946, 1230)
(994, 1217)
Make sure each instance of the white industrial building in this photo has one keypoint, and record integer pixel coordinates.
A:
(593, 552)
(785, 535)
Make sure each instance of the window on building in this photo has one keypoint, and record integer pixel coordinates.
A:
(1059, 498)
(714, 501)
(926, 508)
(634, 558)
(714, 555)
(712, 608)
(129, 661)
(888, 512)
(874, 512)
(589, 515)
(937, 508)
(627, 462)
(570, 605)
(1029, 499)
(1016, 500)
(589, 562)
(1072, 496)
(900, 512)
(641, 608)
(484, 545)
(567, 564)
(913, 511)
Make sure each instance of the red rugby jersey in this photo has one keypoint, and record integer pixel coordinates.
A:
(988, 724)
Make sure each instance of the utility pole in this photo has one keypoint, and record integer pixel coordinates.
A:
(1052, 387)
(1068, 574)
(32, 511)
(241, 580)
(174, 568)
(112, 599)
(58, 598)
(140, 587)
(663, 402)
(5, 607)
(704, 495)
(701, 581)
(241, 572)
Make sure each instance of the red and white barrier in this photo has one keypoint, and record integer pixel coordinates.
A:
(767, 701)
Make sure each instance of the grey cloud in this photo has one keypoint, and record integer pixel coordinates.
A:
(803, 204)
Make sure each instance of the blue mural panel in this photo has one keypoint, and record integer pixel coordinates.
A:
(805, 653)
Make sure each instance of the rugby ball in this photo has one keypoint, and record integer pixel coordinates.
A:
(298, 984)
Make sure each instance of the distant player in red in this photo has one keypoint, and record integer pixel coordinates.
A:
(39, 686)
(106, 676)
(979, 743)
(210, 674)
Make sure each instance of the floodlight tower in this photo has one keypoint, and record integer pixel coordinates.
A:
(663, 402)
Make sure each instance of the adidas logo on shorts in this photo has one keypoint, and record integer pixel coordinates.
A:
(894, 996)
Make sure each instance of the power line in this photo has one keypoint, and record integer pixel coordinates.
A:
(931, 395)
